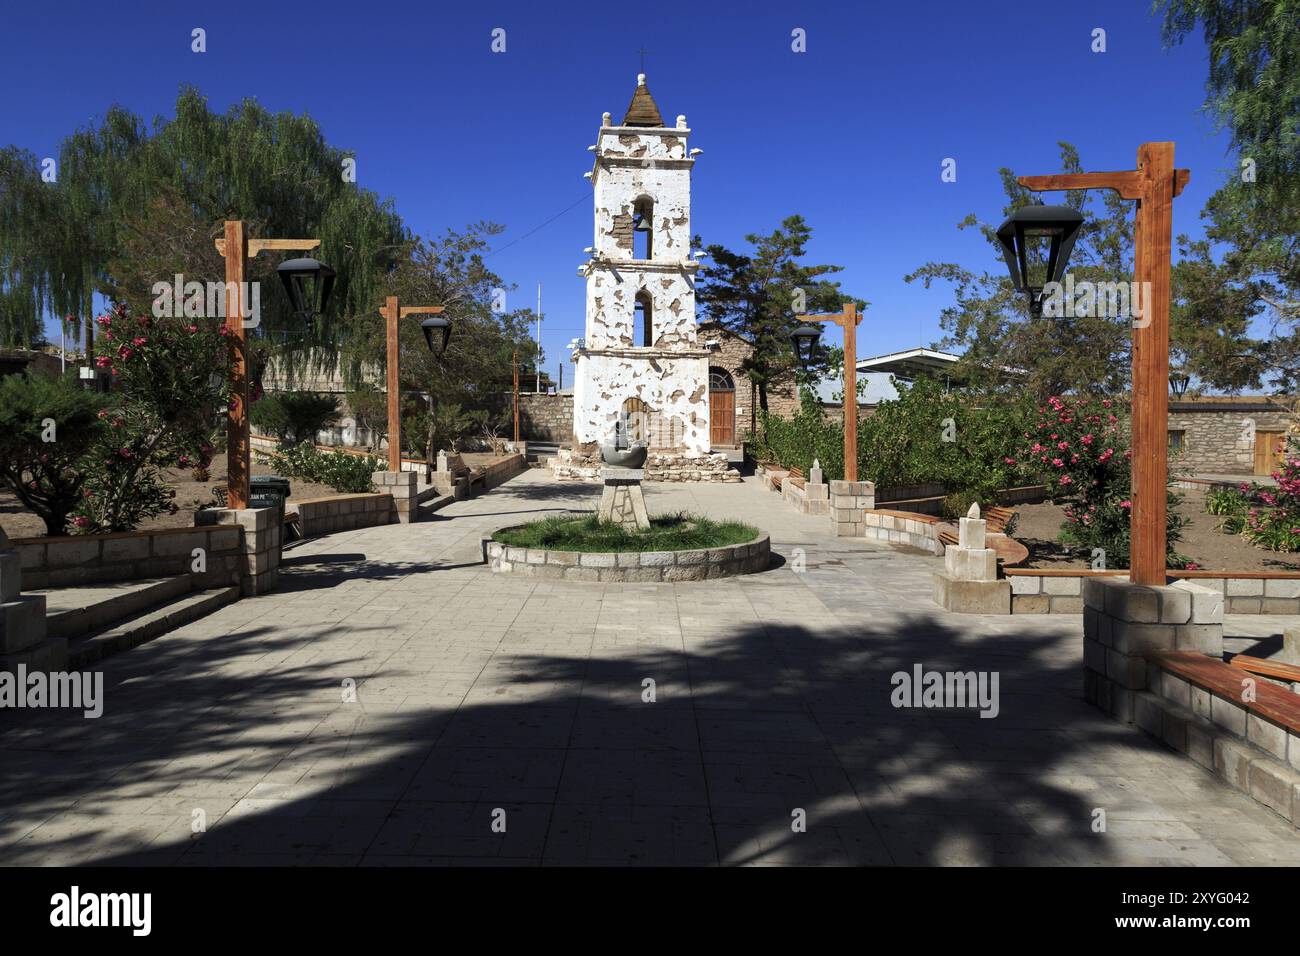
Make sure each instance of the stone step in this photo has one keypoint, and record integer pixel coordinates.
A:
(76, 611)
(148, 625)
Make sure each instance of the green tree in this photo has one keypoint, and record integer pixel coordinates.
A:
(47, 428)
(295, 417)
(475, 371)
(1253, 90)
(758, 295)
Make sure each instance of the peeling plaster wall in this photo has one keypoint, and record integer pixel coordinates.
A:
(671, 377)
(676, 388)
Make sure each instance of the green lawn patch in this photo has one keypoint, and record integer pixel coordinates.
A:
(679, 532)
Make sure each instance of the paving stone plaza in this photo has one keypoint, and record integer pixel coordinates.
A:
(394, 702)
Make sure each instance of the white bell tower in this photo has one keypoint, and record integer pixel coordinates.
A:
(640, 354)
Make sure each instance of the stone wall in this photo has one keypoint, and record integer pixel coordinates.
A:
(1219, 434)
(547, 418)
(570, 465)
(634, 566)
(728, 351)
(131, 556)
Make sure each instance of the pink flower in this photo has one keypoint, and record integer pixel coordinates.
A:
(1057, 463)
(1192, 566)
(1062, 445)
(139, 340)
(81, 521)
(1126, 504)
(1009, 461)
(103, 362)
(1066, 479)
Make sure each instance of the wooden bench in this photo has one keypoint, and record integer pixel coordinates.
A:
(797, 478)
(1272, 702)
(456, 465)
(1266, 668)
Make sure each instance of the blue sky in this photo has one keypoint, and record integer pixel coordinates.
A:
(850, 134)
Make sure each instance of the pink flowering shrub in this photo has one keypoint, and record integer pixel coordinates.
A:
(169, 379)
(1079, 449)
(1269, 518)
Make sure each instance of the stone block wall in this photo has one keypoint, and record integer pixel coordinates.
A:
(23, 637)
(569, 465)
(318, 516)
(632, 567)
(1247, 592)
(133, 555)
(1124, 624)
(401, 486)
(849, 501)
(260, 544)
(547, 418)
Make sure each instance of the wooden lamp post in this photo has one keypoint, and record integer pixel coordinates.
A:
(1154, 184)
(805, 340)
(391, 313)
(236, 248)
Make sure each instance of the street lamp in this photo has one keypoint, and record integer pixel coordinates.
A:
(436, 330)
(805, 339)
(308, 283)
(1059, 224)
(1178, 384)
(1153, 185)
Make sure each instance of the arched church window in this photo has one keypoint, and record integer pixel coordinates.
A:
(720, 380)
(643, 320)
(643, 221)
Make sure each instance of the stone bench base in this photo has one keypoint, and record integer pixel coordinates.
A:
(632, 566)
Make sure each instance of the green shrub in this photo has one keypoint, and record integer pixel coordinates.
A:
(679, 532)
(343, 471)
(294, 417)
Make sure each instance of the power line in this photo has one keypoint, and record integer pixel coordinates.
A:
(585, 198)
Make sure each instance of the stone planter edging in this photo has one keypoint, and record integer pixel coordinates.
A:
(1052, 591)
(632, 566)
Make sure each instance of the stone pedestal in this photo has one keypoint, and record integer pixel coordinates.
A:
(622, 501)
(401, 485)
(1124, 622)
(262, 539)
(969, 583)
(23, 637)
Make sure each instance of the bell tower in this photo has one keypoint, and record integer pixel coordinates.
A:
(640, 355)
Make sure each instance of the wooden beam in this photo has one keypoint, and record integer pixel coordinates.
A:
(848, 320)
(254, 246)
(238, 446)
(1152, 245)
(391, 312)
(421, 310)
(1128, 183)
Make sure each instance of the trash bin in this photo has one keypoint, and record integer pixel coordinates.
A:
(268, 491)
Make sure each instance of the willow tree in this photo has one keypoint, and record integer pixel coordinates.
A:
(63, 241)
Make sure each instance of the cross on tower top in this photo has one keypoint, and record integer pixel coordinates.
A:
(643, 52)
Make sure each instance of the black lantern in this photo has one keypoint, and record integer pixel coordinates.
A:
(436, 330)
(308, 283)
(1059, 224)
(1178, 384)
(805, 340)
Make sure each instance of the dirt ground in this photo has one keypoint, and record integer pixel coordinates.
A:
(18, 522)
(1202, 542)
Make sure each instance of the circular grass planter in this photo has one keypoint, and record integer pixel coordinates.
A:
(697, 564)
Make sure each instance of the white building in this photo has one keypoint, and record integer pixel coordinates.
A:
(640, 359)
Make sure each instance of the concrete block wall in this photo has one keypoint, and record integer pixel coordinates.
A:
(903, 527)
(401, 486)
(1125, 623)
(133, 555)
(260, 543)
(318, 516)
(1246, 592)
